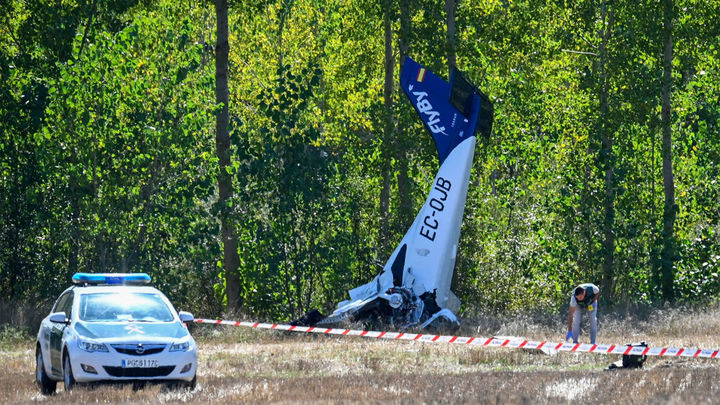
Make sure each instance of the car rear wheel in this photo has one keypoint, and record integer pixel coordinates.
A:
(47, 386)
(68, 378)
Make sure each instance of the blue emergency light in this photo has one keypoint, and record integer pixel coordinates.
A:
(111, 278)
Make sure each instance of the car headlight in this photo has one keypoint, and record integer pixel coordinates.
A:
(90, 346)
(180, 347)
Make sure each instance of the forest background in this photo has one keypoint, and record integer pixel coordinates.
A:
(118, 154)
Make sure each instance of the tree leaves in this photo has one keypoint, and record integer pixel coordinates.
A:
(107, 161)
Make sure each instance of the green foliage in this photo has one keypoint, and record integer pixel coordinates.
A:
(107, 156)
(12, 337)
(122, 158)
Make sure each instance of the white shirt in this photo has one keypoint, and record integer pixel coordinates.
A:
(573, 301)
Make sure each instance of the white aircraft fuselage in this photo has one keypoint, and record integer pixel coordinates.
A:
(414, 286)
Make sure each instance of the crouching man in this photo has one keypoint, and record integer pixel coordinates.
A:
(584, 299)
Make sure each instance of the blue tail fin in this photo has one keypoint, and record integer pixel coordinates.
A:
(451, 111)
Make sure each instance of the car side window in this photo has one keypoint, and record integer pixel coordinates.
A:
(59, 303)
(65, 305)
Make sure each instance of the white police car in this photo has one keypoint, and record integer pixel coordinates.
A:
(114, 327)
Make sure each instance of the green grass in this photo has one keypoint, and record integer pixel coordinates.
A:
(12, 337)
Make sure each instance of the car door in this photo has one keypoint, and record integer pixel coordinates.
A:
(64, 304)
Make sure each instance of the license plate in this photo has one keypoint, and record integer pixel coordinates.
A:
(139, 363)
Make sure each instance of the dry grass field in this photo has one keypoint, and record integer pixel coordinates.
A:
(250, 366)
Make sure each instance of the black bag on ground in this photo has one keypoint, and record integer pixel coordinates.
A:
(630, 360)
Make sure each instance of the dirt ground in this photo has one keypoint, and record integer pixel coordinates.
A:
(250, 366)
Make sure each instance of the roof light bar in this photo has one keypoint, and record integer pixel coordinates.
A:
(111, 278)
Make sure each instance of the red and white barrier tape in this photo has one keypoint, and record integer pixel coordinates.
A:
(479, 341)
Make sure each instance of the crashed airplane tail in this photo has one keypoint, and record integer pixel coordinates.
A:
(414, 287)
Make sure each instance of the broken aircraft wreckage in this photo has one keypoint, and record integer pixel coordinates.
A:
(413, 289)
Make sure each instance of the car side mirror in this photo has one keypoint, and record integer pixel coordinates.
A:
(58, 317)
(186, 317)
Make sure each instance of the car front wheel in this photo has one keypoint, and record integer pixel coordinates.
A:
(192, 383)
(47, 386)
(68, 378)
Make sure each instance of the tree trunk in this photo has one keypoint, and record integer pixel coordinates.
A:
(670, 209)
(450, 6)
(607, 158)
(388, 127)
(93, 11)
(405, 214)
(231, 260)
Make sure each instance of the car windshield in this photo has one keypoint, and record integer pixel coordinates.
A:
(124, 307)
